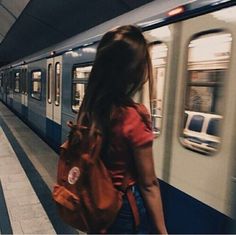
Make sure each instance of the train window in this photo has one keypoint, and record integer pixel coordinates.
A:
(49, 88)
(213, 127)
(57, 83)
(208, 61)
(158, 39)
(196, 123)
(17, 82)
(79, 83)
(36, 85)
(159, 57)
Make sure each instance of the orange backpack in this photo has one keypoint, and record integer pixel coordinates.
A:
(84, 193)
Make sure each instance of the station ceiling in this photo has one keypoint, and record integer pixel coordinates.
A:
(9, 12)
(27, 26)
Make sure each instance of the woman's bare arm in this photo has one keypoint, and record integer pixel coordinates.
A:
(149, 185)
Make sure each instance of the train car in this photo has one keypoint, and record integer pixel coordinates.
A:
(193, 109)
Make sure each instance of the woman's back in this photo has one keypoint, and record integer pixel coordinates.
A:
(130, 128)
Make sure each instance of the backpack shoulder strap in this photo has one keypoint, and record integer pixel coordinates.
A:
(134, 207)
(127, 190)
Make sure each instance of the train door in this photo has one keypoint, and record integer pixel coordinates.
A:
(5, 81)
(233, 229)
(9, 88)
(24, 91)
(53, 98)
(54, 76)
(201, 162)
(1, 86)
(24, 86)
(160, 44)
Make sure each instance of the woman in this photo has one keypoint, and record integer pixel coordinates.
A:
(121, 67)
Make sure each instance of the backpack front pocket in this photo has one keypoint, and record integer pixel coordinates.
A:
(65, 198)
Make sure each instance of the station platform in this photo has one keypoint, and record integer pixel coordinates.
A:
(27, 174)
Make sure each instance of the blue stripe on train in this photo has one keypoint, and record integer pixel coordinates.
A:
(185, 214)
(24, 112)
(10, 102)
(53, 134)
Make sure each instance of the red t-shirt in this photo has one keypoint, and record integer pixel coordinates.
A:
(130, 129)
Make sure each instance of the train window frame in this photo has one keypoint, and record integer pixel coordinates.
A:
(57, 84)
(49, 82)
(75, 81)
(220, 116)
(159, 130)
(33, 95)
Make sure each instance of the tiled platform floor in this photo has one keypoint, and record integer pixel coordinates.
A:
(27, 174)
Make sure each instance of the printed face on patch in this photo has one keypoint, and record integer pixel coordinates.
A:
(73, 175)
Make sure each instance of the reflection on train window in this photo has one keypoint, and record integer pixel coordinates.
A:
(57, 83)
(159, 57)
(79, 83)
(17, 82)
(208, 61)
(36, 85)
(49, 82)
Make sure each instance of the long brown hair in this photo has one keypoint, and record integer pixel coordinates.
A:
(122, 65)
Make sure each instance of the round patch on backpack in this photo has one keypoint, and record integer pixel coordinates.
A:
(73, 175)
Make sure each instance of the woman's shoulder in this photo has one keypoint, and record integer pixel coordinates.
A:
(133, 114)
(136, 109)
(145, 115)
(137, 124)
(141, 109)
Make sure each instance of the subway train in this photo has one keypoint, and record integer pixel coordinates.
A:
(193, 109)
